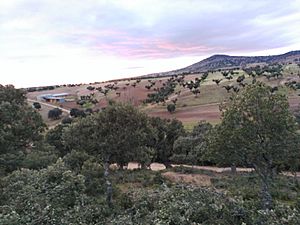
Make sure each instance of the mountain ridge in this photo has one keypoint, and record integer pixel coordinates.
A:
(223, 61)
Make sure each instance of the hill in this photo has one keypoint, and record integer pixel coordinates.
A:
(191, 107)
(217, 62)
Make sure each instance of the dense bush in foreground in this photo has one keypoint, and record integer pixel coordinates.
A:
(188, 205)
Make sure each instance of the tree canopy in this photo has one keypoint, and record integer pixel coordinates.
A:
(116, 133)
(257, 130)
(20, 126)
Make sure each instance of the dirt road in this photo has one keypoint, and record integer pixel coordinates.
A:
(159, 167)
(49, 105)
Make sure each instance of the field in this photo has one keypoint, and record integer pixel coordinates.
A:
(190, 109)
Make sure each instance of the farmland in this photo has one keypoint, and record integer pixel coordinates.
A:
(190, 109)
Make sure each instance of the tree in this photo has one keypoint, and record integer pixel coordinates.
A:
(55, 195)
(9, 94)
(114, 135)
(297, 115)
(167, 132)
(171, 108)
(20, 128)
(189, 149)
(90, 88)
(74, 112)
(196, 92)
(257, 130)
(54, 138)
(54, 114)
(37, 105)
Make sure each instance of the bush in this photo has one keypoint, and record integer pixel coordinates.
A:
(51, 196)
(37, 105)
(171, 108)
(40, 157)
(54, 113)
(188, 205)
(74, 112)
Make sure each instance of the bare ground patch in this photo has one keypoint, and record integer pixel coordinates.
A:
(194, 179)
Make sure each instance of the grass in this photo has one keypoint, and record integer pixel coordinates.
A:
(209, 94)
(189, 126)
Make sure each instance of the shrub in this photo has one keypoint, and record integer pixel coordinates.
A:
(171, 108)
(54, 114)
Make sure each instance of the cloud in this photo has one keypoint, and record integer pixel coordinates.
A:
(135, 31)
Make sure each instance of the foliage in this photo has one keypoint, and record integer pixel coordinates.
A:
(116, 133)
(20, 127)
(167, 132)
(54, 195)
(37, 105)
(54, 138)
(297, 115)
(54, 113)
(75, 160)
(188, 205)
(171, 108)
(40, 156)
(162, 93)
(257, 130)
(189, 149)
(74, 112)
(12, 95)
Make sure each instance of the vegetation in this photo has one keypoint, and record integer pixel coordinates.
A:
(171, 108)
(37, 105)
(20, 128)
(76, 172)
(257, 130)
(54, 114)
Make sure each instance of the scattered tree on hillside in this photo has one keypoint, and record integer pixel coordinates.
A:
(196, 92)
(217, 81)
(171, 108)
(90, 88)
(228, 88)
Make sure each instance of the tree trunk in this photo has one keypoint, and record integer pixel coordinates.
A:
(266, 197)
(265, 175)
(168, 165)
(108, 183)
(233, 168)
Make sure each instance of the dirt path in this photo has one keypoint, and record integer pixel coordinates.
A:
(159, 167)
(49, 105)
(195, 179)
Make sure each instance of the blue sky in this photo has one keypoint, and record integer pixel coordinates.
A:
(44, 42)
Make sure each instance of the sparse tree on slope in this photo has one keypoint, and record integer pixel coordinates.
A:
(171, 108)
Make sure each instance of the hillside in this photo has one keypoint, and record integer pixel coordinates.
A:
(216, 62)
(190, 108)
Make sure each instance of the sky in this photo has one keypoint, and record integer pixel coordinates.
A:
(46, 42)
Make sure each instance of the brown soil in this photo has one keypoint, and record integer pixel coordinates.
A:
(196, 113)
(194, 179)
